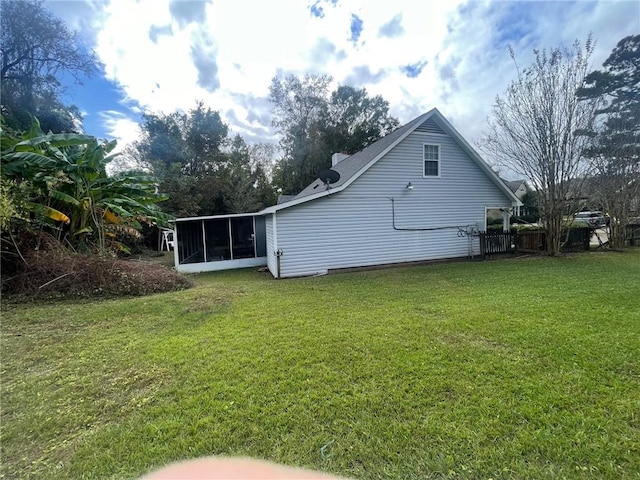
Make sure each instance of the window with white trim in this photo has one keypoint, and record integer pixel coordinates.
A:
(431, 158)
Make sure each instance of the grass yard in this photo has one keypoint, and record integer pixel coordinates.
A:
(526, 368)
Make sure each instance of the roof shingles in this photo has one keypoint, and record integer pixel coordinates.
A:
(350, 166)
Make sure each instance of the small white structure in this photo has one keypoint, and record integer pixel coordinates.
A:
(219, 242)
(167, 240)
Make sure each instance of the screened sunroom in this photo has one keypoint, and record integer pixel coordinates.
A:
(219, 242)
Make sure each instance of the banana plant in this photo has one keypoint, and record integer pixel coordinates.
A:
(70, 183)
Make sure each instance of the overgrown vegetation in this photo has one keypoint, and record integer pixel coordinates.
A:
(49, 270)
(514, 369)
(56, 190)
(65, 181)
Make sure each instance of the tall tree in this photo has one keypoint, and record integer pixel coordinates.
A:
(239, 194)
(353, 120)
(184, 150)
(36, 48)
(262, 158)
(298, 105)
(535, 131)
(615, 150)
(315, 124)
(188, 143)
(201, 170)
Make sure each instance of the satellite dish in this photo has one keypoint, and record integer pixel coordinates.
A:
(329, 176)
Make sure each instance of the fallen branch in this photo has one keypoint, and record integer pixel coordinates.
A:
(55, 280)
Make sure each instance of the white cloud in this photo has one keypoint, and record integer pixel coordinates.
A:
(120, 127)
(242, 44)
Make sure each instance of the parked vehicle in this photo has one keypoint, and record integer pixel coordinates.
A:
(593, 219)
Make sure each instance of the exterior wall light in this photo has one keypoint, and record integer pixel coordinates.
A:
(409, 186)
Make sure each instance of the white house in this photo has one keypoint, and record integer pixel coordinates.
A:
(519, 189)
(420, 193)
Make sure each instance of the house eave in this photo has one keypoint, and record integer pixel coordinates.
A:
(214, 217)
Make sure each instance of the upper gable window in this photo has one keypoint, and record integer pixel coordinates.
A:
(431, 158)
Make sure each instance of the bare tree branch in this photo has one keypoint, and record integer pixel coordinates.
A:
(534, 131)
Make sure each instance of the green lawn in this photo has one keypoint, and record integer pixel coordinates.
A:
(525, 368)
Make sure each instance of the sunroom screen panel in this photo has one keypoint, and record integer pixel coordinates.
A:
(190, 242)
(243, 237)
(217, 239)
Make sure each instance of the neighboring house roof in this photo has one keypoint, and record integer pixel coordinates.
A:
(352, 167)
(514, 185)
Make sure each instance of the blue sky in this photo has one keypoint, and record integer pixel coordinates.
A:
(163, 55)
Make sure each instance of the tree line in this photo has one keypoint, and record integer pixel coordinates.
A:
(54, 176)
(205, 172)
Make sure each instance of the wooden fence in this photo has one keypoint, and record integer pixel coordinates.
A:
(494, 244)
(578, 240)
(632, 234)
(531, 241)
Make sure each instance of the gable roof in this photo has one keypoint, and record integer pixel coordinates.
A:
(352, 167)
(513, 185)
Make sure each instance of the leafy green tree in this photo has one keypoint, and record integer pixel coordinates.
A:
(353, 120)
(530, 206)
(615, 149)
(182, 143)
(36, 48)
(200, 170)
(239, 181)
(299, 103)
(314, 124)
(184, 150)
(262, 158)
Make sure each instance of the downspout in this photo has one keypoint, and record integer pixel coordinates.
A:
(176, 254)
(276, 251)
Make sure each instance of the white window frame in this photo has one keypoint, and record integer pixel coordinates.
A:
(424, 160)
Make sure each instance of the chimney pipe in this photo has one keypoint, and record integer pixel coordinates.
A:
(337, 158)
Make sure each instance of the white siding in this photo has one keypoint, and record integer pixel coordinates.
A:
(355, 227)
(221, 265)
(271, 258)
